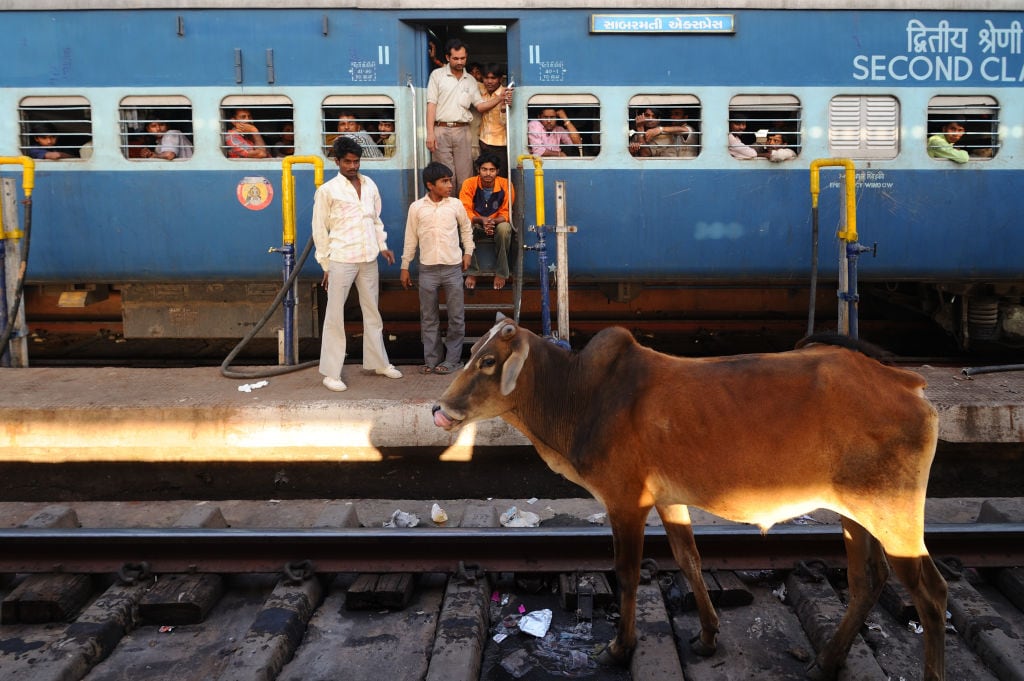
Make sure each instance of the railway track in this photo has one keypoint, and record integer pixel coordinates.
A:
(319, 590)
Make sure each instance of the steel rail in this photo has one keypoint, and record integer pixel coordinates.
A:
(175, 550)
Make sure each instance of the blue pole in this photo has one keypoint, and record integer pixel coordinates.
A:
(289, 305)
(853, 251)
(542, 261)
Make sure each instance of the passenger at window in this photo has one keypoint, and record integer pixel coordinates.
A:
(653, 138)
(139, 145)
(638, 144)
(684, 140)
(550, 131)
(168, 145)
(349, 126)
(244, 140)
(386, 138)
(776, 150)
(737, 148)
(493, 123)
(46, 145)
(285, 145)
(487, 198)
(941, 145)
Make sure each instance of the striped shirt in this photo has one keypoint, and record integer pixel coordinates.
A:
(437, 228)
(346, 226)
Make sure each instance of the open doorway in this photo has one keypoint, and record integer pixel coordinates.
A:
(486, 42)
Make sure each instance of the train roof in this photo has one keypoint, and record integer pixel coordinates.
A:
(458, 5)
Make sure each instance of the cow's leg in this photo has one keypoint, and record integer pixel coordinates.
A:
(627, 524)
(676, 519)
(898, 523)
(866, 573)
(928, 589)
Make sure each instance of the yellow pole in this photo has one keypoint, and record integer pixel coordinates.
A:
(28, 183)
(288, 191)
(538, 183)
(850, 232)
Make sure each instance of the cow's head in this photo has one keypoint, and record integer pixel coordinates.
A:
(483, 389)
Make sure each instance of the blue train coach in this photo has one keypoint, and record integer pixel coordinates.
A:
(182, 243)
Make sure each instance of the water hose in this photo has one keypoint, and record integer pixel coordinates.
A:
(279, 370)
(974, 371)
(288, 248)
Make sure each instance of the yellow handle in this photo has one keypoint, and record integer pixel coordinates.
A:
(28, 173)
(538, 183)
(288, 191)
(850, 233)
(28, 183)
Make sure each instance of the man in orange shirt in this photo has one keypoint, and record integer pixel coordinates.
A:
(487, 198)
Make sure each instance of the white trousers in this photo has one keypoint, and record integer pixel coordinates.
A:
(332, 342)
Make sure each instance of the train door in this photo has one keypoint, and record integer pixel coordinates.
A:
(487, 42)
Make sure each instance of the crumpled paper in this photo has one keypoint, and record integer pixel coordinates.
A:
(249, 387)
(402, 519)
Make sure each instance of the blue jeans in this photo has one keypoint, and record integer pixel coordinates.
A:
(432, 278)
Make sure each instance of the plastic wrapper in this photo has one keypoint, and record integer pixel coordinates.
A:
(513, 517)
(535, 623)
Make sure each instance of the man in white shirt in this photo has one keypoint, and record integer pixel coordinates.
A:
(349, 235)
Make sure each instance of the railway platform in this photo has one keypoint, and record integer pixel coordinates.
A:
(169, 415)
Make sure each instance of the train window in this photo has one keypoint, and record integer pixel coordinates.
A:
(580, 127)
(765, 126)
(664, 126)
(156, 128)
(368, 119)
(863, 126)
(254, 124)
(55, 128)
(978, 115)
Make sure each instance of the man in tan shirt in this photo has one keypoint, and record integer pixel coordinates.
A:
(450, 93)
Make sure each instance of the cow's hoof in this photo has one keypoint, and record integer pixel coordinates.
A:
(613, 656)
(818, 673)
(698, 646)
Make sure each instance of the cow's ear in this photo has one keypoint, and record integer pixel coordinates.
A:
(513, 365)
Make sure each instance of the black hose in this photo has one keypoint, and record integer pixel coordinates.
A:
(279, 370)
(974, 371)
(5, 337)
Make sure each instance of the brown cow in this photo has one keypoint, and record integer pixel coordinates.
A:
(752, 438)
